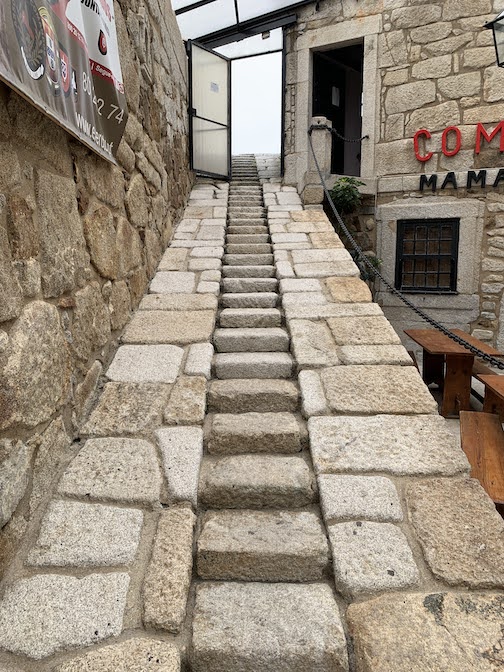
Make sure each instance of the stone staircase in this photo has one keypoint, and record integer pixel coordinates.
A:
(259, 523)
(185, 534)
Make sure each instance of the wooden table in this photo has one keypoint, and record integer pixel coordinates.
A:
(449, 365)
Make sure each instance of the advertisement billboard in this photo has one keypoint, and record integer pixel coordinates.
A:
(63, 56)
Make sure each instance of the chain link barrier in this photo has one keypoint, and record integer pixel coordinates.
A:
(362, 259)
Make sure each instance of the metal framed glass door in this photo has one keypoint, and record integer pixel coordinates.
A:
(209, 111)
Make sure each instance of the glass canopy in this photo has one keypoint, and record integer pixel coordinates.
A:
(218, 22)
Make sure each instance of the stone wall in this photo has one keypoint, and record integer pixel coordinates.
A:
(425, 66)
(79, 241)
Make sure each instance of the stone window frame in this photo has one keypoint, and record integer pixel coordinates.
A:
(335, 36)
(469, 211)
(437, 225)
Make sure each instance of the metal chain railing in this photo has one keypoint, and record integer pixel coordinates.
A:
(363, 259)
(338, 134)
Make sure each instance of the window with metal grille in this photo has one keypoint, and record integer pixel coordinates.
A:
(427, 253)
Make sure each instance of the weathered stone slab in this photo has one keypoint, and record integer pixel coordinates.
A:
(254, 433)
(207, 252)
(326, 240)
(453, 632)
(362, 331)
(124, 470)
(199, 360)
(377, 389)
(312, 344)
(178, 302)
(134, 655)
(127, 409)
(348, 290)
(15, 465)
(413, 445)
(173, 282)
(312, 394)
(174, 260)
(303, 298)
(299, 285)
(321, 312)
(187, 402)
(262, 546)
(370, 557)
(358, 498)
(48, 613)
(253, 365)
(320, 256)
(309, 216)
(259, 395)
(181, 451)
(168, 576)
(256, 481)
(326, 270)
(375, 354)
(146, 364)
(461, 533)
(256, 627)
(35, 379)
(179, 327)
(74, 534)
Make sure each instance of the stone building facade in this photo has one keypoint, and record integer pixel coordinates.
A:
(427, 67)
(79, 240)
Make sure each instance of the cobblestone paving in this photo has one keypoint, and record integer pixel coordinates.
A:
(291, 502)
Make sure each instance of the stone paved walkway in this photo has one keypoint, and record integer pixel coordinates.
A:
(292, 502)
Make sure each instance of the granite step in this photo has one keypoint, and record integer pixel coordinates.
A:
(236, 318)
(255, 339)
(249, 300)
(248, 248)
(262, 546)
(238, 223)
(253, 365)
(256, 482)
(246, 238)
(247, 230)
(248, 271)
(252, 395)
(248, 259)
(249, 285)
(267, 627)
(244, 213)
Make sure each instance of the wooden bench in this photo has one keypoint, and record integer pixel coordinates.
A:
(479, 369)
(483, 443)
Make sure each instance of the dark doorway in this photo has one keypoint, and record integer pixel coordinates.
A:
(337, 95)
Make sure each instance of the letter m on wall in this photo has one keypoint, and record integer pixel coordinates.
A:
(481, 133)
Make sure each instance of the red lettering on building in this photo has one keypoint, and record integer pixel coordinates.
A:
(481, 132)
(458, 141)
(418, 135)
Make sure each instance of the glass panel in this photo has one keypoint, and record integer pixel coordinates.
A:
(210, 85)
(444, 281)
(432, 247)
(210, 147)
(408, 247)
(207, 19)
(419, 281)
(420, 265)
(420, 247)
(250, 9)
(180, 4)
(407, 280)
(421, 232)
(445, 265)
(253, 45)
(445, 247)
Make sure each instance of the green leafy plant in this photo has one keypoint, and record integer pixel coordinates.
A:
(346, 195)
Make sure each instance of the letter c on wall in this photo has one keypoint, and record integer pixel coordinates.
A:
(416, 137)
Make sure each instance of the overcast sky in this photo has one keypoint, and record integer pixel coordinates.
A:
(256, 105)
